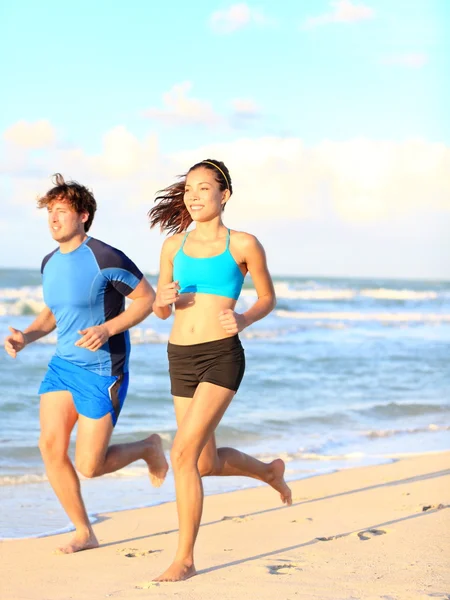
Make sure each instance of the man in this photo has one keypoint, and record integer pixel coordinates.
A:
(85, 282)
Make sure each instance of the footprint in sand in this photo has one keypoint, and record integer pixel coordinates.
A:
(331, 537)
(368, 534)
(237, 519)
(146, 585)
(134, 552)
(284, 568)
(433, 507)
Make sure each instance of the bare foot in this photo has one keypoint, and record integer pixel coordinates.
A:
(178, 571)
(276, 480)
(78, 543)
(157, 463)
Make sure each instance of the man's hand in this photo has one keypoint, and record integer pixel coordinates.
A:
(15, 342)
(167, 295)
(231, 321)
(93, 337)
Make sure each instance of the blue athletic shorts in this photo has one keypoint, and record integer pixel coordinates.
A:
(94, 395)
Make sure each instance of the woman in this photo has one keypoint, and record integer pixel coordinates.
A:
(201, 273)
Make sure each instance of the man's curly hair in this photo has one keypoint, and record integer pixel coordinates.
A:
(78, 196)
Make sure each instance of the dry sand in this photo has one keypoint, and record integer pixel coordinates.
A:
(378, 532)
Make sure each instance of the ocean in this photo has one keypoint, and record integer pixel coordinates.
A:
(343, 373)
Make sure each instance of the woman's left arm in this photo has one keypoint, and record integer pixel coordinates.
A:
(255, 259)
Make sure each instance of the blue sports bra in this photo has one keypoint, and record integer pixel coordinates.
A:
(218, 275)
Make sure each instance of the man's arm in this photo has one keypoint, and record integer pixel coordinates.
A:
(141, 306)
(17, 340)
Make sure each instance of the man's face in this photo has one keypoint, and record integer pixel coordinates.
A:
(64, 222)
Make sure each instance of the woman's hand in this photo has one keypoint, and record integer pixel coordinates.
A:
(231, 321)
(167, 294)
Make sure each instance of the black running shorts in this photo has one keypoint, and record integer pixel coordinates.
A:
(221, 362)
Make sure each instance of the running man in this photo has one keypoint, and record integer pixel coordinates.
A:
(85, 282)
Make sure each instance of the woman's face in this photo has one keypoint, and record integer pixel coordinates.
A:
(202, 196)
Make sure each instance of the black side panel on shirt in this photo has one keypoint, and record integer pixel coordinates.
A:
(121, 275)
(47, 258)
(108, 257)
(114, 305)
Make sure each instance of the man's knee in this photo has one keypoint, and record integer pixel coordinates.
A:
(88, 468)
(52, 447)
(207, 468)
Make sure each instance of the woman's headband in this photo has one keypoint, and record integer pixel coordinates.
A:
(219, 169)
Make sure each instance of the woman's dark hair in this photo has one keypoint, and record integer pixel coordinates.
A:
(75, 194)
(171, 213)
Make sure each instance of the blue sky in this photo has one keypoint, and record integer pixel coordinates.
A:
(330, 116)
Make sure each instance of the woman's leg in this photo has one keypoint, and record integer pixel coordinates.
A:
(200, 420)
(223, 462)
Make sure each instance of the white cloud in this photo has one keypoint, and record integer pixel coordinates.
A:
(342, 194)
(356, 200)
(180, 109)
(358, 180)
(411, 61)
(123, 154)
(244, 107)
(25, 191)
(236, 17)
(23, 134)
(343, 11)
(373, 180)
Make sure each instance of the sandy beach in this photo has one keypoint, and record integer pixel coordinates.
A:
(380, 532)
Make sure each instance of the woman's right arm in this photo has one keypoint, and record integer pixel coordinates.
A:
(167, 289)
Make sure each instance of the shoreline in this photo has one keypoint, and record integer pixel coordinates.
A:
(278, 275)
(364, 532)
(95, 517)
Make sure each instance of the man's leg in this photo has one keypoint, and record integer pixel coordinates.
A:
(58, 417)
(93, 457)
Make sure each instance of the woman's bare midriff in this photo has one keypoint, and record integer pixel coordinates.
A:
(197, 319)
